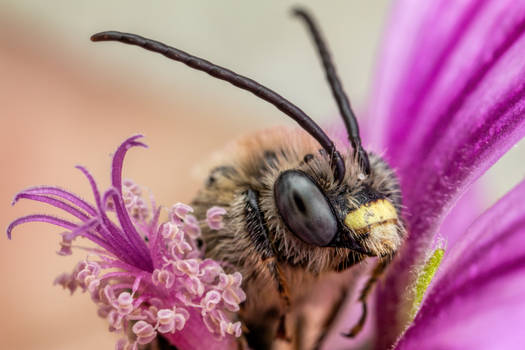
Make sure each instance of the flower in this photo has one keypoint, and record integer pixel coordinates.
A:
(448, 102)
(146, 278)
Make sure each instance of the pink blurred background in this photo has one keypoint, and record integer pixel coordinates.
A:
(66, 101)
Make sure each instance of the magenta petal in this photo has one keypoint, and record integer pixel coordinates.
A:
(461, 216)
(478, 300)
(436, 53)
(451, 98)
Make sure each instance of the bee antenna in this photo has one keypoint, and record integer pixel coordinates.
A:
(238, 80)
(337, 89)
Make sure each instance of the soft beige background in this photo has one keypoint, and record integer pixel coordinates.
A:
(67, 101)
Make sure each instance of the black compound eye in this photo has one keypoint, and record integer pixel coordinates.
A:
(304, 208)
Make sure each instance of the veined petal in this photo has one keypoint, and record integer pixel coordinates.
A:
(478, 299)
(455, 106)
(413, 26)
(435, 54)
(461, 216)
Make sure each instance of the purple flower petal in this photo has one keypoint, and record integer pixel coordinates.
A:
(451, 98)
(478, 299)
(435, 55)
(461, 216)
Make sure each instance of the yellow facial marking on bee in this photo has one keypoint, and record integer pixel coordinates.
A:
(376, 212)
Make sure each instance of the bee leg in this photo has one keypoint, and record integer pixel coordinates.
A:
(242, 343)
(378, 271)
(299, 333)
(258, 233)
(281, 330)
(331, 317)
(282, 284)
(284, 294)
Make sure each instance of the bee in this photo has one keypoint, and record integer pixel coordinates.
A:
(302, 209)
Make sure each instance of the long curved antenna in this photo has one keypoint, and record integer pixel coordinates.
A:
(238, 80)
(337, 90)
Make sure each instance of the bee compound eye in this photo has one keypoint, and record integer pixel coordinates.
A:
(304, 208)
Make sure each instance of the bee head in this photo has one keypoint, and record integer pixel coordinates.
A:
(362, 214)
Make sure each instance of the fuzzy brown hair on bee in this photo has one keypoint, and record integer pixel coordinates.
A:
(301, 210)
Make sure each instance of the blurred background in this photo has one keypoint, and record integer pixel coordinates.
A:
(67, 101)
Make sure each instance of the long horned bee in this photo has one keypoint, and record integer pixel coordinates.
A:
(297, 213)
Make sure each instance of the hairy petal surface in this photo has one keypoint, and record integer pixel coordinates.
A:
(451, 101)
(478, 300)
(461, 216)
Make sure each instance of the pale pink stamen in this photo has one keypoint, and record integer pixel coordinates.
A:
(166, 319)
(209, 271)
(125, 303)
(232, 293)
(144, 331)
(231, 328)
(179, 212)
(194, 286)
(163, 277)
(114, 320)
(179, 248)
(65, 245)
(210, 300)
(192, 227)
(214, 217)
(133, 201)
(170, 231)
(181, 316)
(125, 344)
(189, 267)
(67, 281)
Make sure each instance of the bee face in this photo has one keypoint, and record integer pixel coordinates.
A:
(316, 221)
(364, 220)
